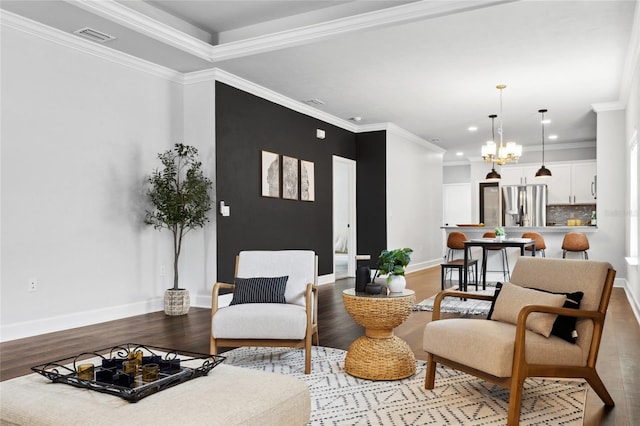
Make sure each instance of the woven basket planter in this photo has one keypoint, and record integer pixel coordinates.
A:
(176, 302)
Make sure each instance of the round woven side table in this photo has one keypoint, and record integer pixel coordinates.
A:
(379, 355)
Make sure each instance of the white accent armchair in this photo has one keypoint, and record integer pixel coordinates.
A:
(293, 323)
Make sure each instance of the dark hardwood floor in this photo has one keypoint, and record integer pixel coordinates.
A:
(618, 362)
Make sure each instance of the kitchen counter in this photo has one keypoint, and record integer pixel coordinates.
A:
(553, 236)
(519, 230)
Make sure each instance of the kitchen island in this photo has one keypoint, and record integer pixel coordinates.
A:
(553, 236)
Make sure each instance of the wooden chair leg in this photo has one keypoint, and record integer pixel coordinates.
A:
(430, 378)
(596, 383)
(515, 400)
(307, 355)
(213, 350)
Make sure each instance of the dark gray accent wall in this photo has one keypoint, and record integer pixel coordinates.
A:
(371, 198)
(246, 125)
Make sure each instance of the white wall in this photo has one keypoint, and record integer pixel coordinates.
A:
(414, 197)
(79, 134)
(609, 242)
(198, 260)
(632, 128)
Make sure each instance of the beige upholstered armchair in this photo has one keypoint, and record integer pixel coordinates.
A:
(513, 345)
(275, 302)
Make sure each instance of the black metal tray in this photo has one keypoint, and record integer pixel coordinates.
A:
(129, 385)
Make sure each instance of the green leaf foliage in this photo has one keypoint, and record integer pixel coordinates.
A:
(179, 194)
(393, 262)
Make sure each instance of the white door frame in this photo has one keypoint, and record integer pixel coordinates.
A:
(351, 191)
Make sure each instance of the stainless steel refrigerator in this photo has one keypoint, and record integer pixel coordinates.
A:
(524, 205)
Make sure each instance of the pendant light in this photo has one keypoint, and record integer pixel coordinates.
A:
(493, 175)
(503, 153)
(543, 172)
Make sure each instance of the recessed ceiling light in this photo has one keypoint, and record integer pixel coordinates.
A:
(472, 128)
(553, 136)
(356, 119)
(459, 153)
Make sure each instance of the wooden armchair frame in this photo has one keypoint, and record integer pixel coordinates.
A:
(521, 369)
(311, 334)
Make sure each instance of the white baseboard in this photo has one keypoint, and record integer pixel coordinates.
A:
(326, 279)
(77, 319)
(80, 319)
(635, 303)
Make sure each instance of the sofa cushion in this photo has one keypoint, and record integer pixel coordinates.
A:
(565, 326)
(260, 321)
(242, 397)
(467, 343)
(299, 265)
(513, 298)
(259, 290)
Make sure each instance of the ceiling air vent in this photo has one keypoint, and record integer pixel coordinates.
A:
(94, 35)
(314, 101)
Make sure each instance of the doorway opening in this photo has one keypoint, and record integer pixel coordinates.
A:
(344, 217)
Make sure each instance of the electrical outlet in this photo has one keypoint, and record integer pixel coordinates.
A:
(33, 285)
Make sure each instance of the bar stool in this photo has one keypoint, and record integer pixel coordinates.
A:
(540, 245)
(455, 243)
(506, 274)
(575, 242)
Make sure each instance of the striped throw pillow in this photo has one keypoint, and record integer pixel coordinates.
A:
(259, 290)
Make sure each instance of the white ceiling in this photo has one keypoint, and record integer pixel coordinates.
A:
(430, 67)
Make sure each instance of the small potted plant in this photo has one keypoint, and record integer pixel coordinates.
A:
(179, 194)
(392, 263)
(499, 233)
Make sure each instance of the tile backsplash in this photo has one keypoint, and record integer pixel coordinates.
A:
(560, 214)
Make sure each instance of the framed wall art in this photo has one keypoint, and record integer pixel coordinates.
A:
(270, 174)
(289, 178)
(307, 181)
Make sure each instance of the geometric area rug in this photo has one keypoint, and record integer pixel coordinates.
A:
(458, 398)
(459, 306)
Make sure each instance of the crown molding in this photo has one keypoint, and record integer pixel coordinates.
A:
(217, 74)
(560, 146)
(399, 14)
(132, 19)
(456, 163)
(53, 35)
(534, 148)
(137, 21)
(394, 129)
(608, 106)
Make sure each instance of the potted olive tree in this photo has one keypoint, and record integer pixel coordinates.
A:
(392, 264)
(179, 194)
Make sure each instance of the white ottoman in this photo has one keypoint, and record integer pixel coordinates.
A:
(226, 396)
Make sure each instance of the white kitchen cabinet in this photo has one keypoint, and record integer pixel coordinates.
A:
(572, 183)
(583, 182)
(559, 184)
(518, 175)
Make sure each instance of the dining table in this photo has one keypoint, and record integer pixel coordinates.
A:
(486, 244)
